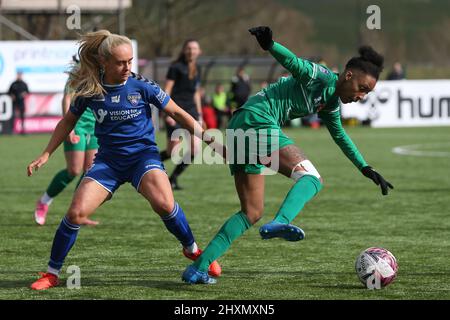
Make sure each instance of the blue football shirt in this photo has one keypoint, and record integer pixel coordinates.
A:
(123, 116)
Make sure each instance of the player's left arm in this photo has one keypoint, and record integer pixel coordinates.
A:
(332, 120)
(299, 68)
(190, 124)
(183, 118)
(154, 95)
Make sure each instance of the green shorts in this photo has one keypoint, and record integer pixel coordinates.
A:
(252, 138)
(87, 142)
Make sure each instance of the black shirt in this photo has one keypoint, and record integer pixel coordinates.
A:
(16, 89)
(184, 89)
(241, 89)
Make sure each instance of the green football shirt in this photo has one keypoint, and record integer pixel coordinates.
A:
(311, 89)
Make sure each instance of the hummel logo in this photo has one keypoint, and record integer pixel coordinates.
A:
(115, 99)
(317, 100)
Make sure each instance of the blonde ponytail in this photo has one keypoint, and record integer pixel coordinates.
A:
(85, 77)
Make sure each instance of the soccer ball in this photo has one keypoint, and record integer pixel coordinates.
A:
(376, 267)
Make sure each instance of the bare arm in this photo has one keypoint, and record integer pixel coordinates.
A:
(62, 130)
(65, 104)
(189, 123)
(183, 118)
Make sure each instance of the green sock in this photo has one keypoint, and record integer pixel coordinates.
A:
(301, 192)
(59, 182)
(230, 231)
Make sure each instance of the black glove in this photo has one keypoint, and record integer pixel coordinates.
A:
(370, 173)
(263, 35)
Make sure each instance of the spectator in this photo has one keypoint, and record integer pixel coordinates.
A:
(397, 72)
(219, 102)
(18, 91)
(240, 88)
(183, 84)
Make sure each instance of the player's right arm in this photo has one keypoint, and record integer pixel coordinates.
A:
(65, 104)
(62, 130)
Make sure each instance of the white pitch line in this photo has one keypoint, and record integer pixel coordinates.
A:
(411, 150)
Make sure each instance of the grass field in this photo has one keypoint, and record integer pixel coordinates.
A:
(130, 255)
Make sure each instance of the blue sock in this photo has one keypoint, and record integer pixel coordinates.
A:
(177, 224)
(62, 243)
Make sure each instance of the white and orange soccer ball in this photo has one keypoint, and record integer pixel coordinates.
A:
(376, 267)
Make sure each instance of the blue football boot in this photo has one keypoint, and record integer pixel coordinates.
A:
(286, 231)
(193, 276)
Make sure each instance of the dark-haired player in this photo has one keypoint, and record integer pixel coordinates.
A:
(311, 89)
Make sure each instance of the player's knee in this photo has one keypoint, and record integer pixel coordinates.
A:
(163, 207)
(77, 213)
(305, 168)
(74, 171)
(75, 216)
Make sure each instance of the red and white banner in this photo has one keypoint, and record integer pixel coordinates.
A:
(42, 113)
(43, 104)
(37, 124)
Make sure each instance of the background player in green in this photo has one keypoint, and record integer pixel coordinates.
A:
(79, 150)
(312, 88)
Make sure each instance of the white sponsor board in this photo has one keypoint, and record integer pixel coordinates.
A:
(43, 63)
(404, 103)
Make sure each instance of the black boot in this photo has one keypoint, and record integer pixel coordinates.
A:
(174, 184)
(164, 155)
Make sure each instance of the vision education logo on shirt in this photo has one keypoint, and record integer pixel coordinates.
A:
(100, 115)
(117, 115)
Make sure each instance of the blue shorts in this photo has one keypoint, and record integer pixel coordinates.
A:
(111, 172)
